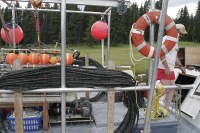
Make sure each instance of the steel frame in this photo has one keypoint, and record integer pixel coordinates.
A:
(63, 89)
(106, 3)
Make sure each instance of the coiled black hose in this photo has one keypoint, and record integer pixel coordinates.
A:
(49, 77)
(80, 61)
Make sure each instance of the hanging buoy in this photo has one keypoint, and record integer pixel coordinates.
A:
(23, 58)
(55, 52)
(142, 23)
(10, 57)
(18, 32)
(36, 3)
(44, 59)
(53, 60)
(99, 30)
(33, 58)
(69, 59)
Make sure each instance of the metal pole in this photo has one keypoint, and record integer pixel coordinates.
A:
(108, 52)
(13, 25)
(159, 41)
(102, 52)
(57, 10)
(63, 64)
(64, 90)
(152, 29)
(5, 28)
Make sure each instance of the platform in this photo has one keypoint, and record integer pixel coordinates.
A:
(164, 125)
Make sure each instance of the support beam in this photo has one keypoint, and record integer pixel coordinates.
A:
(18, 103)
(110, 103)
(57, 10)
(108, 3)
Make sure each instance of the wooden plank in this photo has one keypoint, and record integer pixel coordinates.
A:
(45, 116)
(111, 104)
(191, 55)
(18, 102)
(18, 106)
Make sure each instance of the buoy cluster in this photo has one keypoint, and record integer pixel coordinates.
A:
(36, 58)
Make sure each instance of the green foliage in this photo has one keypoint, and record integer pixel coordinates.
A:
(78, 26)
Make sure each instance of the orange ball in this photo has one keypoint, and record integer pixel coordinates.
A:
(55, 52)
(23, 58)
(69, 59)
(53, 60)
(10, 57)
(33, 58)
(44, 59)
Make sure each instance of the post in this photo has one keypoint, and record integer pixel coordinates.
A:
(108, 52)
(45, 116)
(110, 103)
(152, 29)
(13, 25)
(152, 87)
(63, 64)
(86, 65)
(5, 28)
(18, 102)
(102, 52)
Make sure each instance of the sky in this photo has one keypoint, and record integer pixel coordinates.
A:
(175, 5)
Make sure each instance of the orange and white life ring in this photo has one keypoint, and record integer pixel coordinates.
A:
(142, 23)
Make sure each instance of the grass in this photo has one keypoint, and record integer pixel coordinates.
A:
(120, 55)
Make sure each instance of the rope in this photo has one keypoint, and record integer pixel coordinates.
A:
(37, 28)
(177, 113)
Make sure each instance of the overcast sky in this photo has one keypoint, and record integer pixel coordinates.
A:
(175, 5)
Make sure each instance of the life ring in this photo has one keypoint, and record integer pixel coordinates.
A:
(142, 23)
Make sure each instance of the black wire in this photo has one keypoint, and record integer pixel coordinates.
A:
(49, 77)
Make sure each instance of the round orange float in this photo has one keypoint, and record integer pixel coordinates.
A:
(23, 58)
(44, 59)
(55, 52)
(69, 59)
(10, 57)
(53, 60)
(33, 58)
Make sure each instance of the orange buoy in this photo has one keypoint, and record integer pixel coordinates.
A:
(142, 23)
(33, 58)
(55, 52)
(53, 60)
(44, 59)
(99, 30)
(10, 57)
(69, 59)
(23, 58)
(36, 3)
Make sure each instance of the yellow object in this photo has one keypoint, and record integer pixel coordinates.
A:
(156, 111)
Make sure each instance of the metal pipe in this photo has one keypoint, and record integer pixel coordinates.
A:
(147, 123)
(107, 11)
(5, 28)
(102, 52)
(64, 90)
(57, 10)
(108, 41)
(63, 64)
(107, 3)
(152, 29)
(13, 25)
